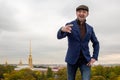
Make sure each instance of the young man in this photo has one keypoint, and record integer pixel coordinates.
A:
(79, 34)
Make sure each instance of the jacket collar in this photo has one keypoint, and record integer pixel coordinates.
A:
(79, 22)
(77, 28)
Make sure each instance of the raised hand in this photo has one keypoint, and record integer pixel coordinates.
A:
(67, 28)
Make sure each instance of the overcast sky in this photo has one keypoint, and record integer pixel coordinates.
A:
(39, 21)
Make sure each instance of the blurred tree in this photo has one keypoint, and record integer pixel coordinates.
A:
(112, 75)
(78, 75)
(98, 73)
(37, 75)
(117, 70)
(97, 70)
(42, 76)
(98, 78)
(24, 74)
(49, 73)
(118, 78)
(61, 74)
(5, 69)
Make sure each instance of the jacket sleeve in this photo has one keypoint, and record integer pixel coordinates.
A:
(61, 34)
(95, 45)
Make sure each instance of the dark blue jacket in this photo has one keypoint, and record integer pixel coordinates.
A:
(75, 44)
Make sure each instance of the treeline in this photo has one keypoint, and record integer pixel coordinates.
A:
(98, 73)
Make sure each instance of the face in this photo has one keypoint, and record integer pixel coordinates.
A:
(82, 14)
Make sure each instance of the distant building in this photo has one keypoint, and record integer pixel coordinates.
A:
(30, 57)
(6, 63)
(42, 68)
(30, 64)
(20, 63)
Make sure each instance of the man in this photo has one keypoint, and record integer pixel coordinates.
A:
(79, 34)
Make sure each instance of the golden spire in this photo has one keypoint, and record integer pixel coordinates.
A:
(30, 48)
(6, 63)
(30, 57)
(20, 63)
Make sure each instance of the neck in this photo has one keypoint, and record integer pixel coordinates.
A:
(81, 21)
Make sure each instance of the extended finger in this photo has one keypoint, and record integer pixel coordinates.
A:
(70, 25)
(69, 31)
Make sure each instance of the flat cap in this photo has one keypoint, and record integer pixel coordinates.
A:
(82, 7)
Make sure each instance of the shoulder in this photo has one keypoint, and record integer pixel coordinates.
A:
(89, 25)
(89, 28)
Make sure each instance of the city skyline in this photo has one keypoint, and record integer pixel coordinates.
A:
(39, 21)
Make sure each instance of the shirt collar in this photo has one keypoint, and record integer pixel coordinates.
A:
(79, 22)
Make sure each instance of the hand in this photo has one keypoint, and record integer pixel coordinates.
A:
(67, 28)
(91, 62)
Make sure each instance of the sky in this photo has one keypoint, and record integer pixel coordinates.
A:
(39, 21)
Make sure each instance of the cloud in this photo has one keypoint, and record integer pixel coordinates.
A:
(39, 21)
(109, 58)
(7, 17)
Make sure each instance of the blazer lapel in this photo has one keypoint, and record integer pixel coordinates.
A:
(77, 29)
(87, 31)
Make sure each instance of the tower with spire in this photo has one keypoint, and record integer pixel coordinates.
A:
(20, 63)
(6, 63)
(30, 57)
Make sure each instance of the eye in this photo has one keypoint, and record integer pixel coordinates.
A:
(84, 11)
